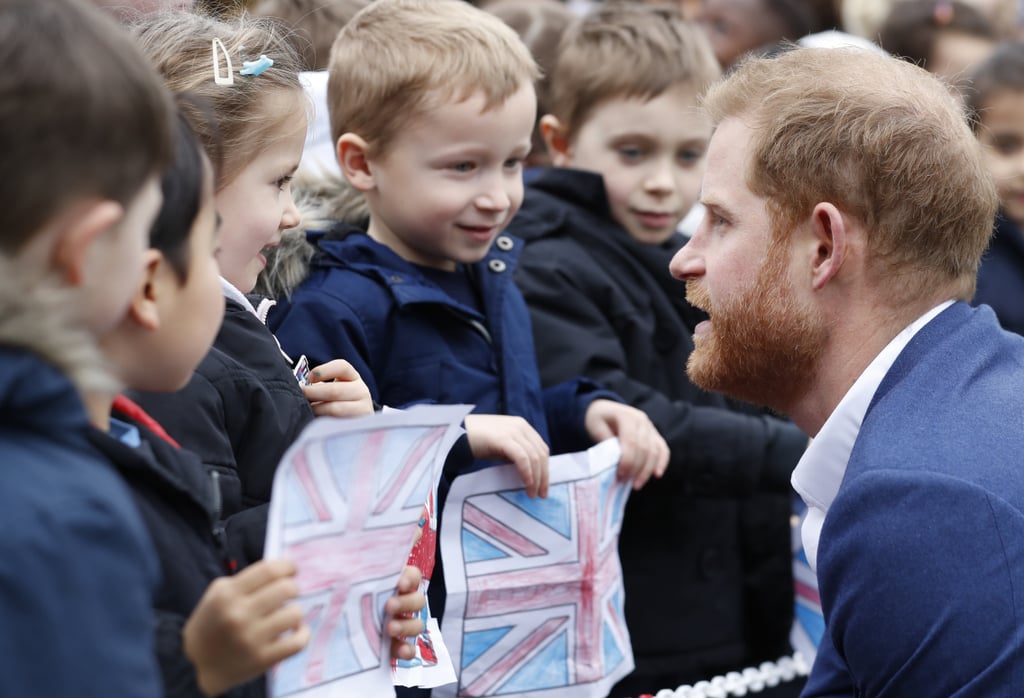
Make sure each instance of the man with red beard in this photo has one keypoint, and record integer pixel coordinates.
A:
(845, 221)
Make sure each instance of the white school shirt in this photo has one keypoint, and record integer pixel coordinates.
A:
(820, 472)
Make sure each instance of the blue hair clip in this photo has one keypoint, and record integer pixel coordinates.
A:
(257, 66)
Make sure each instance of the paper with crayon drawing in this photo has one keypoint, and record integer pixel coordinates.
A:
(535, 595)
(346, 507)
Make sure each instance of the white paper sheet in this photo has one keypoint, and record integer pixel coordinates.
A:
(347, 498)
(535, 596)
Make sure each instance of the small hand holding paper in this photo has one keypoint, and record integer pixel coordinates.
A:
(644, 451)
(243, 625)
(335, 389)
(511, 439)
(404, 608)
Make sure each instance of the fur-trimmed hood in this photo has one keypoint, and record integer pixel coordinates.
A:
(39, 315)
(323, 200)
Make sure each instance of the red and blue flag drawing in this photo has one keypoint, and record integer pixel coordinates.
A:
(346, 502)
(535, 596)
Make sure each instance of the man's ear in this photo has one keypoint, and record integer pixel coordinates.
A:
(556, 138)
(352, 152)
(79, 229)
(829, 231)
(145, 306)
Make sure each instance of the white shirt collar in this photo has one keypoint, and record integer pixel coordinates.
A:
(229, 291)
(820, 472)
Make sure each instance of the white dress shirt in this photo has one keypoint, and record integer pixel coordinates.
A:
(820, 472)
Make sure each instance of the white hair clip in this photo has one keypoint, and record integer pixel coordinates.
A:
(228, 78)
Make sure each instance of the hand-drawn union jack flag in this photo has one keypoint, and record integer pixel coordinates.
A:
(542, 612)
(350, 504)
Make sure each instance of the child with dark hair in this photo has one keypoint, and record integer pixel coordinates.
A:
(738, 27)
(946, 37)
(996, 98)
(214, 632)
(171, 322)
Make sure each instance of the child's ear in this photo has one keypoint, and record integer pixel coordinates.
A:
(354, 161)
(80, 229)
(556, 139)
(145, 306)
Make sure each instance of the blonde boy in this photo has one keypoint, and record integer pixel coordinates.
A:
(432, 107)
(84, 133)
(627, 140)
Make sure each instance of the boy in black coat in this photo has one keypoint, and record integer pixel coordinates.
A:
(599, 238)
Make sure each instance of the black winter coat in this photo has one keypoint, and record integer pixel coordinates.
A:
(179, 500)
(239, 413)
(706, 550)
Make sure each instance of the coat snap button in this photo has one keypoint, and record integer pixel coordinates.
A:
(504, 243)
(396, 278)
(496, 265)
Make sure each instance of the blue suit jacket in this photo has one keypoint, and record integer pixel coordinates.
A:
(921, 556)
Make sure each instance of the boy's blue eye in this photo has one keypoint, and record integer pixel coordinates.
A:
(463, 166)
(513, 163)
(690, 156)
(630, 153)
(284, 181)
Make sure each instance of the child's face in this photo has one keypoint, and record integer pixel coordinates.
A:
(257, 204)
(734, 27)
(184, 316)
(1002, 137)
(192, 312)
(448, 184)
(651, 155)
(955, 55)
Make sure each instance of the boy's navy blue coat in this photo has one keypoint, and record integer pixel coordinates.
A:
(77, 570)
(239, 413)
(179, 500)
(411, 342)
(1001, 275)
(921, 555)
(606, 307)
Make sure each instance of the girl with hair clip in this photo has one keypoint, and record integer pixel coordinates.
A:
(244, 405)
(174, 314)
(247, 401)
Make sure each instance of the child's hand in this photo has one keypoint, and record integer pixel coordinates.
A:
(644, 451)
(335, 389)
(243, 626)
(501, 437)
(404, 608)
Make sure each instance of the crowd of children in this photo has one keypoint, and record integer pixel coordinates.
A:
(500, 236)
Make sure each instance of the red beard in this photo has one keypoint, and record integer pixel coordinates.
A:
(762, 347)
